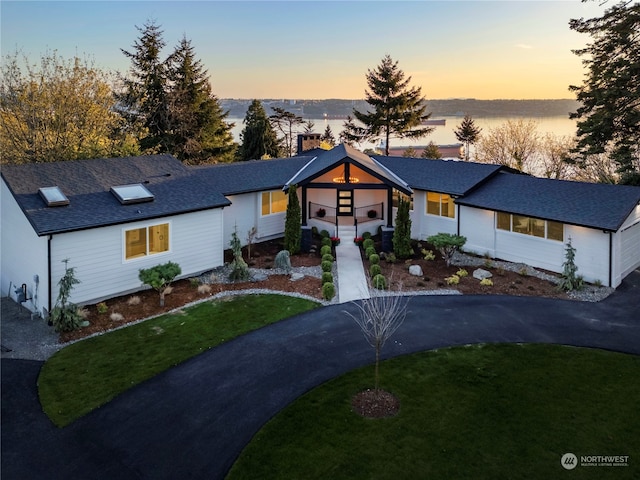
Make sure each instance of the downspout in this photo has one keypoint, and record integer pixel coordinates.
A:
(610, 258)
(458, 217)
(49, 286)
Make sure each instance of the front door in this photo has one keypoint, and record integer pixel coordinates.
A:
(345, 203)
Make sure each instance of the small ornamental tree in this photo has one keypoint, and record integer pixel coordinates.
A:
(569, 280)
(239, 268)
(447, 244)
(160, 277)
(292, 230)
(402, 233)
(64, 315)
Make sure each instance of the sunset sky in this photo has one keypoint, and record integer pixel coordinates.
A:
(322, 49)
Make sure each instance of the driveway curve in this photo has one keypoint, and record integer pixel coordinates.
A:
(193, 420)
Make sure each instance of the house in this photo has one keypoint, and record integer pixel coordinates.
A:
(164, 211)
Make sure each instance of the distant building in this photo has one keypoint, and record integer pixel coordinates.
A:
(455, 150)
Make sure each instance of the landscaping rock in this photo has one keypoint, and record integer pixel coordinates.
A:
(415, 270)
(481, 274)
(258, 277)
(296, 276)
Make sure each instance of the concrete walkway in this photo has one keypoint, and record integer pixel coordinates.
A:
(352, 281)
(193, 421)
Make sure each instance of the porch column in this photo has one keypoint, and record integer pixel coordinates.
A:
(304, 206)
(389, 207)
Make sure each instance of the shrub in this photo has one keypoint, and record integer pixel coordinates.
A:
(402, 233)
(326, 266)
(391, 257)
(327, 277)
(569, 280)
(379, 282)
(293, 216)
(453, 280)
(369, 251)
(116, 317)
(523, 271)
(447, 244)
(134, 300)
(367, 242)
(326, 249)
(327, 257)
(283, 260)
(375, 270)
(462, 273)
(324, 234)
(374, 259)
(366, 235)
(102, 308)
(194, 282)
(204, 289)
(328, 291)
(326, 241)
(486, 282)
(428, 254)
(314, 231)
(239, 268)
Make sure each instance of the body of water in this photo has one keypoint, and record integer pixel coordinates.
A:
(442, 134)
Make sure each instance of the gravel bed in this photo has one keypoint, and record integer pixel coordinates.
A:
(590, 293)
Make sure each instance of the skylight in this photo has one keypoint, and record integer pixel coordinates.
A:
(53, 196)
(135, 193)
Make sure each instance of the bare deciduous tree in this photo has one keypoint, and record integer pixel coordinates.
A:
(513, 144)
(379, 316)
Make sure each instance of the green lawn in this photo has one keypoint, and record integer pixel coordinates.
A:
(87, 374)
(481, 412)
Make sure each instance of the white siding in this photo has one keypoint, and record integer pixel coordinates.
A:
(477, 225)
(626, 247)
(242, 214)
(592, 253)
(23, 255)
(97, 254)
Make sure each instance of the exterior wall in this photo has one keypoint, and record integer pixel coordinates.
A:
(477, 226)
(98, 254)
(424, 225)
(23, 255)
(241, 214)
(592, 253)
(626, 247)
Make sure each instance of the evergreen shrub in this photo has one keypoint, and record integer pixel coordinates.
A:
(375, 270)
(326, 266)
(328, 291)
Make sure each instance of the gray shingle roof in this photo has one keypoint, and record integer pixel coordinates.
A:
(87, 183)
(443, 176)
(591, 205)
(344, 153)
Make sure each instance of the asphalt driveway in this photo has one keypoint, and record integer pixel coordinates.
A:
(193, 421)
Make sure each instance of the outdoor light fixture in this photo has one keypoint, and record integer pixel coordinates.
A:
(341, 180)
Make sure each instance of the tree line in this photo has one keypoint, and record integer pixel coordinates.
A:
(64, 110)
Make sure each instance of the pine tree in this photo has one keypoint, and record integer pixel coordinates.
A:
(144, 98)
(286, 123)
(396, 108)
(328, 137)
(432, 151)
(609, 115)
(198, 132)
(467, 133)
(257, 139)
(292, 230)
(402, 233)
(569, 280)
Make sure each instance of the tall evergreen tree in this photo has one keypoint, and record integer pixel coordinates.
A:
(257, 139)
(467, 133)
(292, 222)
(328, 137)
(431, 151)
(396, 108)
(197, 130)
(286, 123)
(609, 115)
(144, 98)
(402, 234)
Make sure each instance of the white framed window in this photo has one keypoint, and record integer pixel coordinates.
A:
(144, 241)
(274, 201)
(440, 204)
(535, 227)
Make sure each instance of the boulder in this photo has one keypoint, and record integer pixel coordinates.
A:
(415, 270)
(481, 274)
(296, 276)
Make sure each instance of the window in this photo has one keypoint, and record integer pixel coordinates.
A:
(345, 202)
(53, 196)
(274, 202)
(128, 194)
(397, 195)
(140, 242)
(530, 226)
(440, 204)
